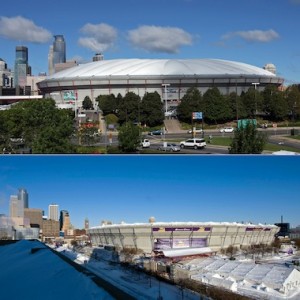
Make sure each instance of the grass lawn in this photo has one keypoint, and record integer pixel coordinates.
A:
(220, 141)
(225, 141)
(272, 147)
(295, 137)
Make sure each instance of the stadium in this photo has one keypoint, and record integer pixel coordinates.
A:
(169, 77)
(193, 237)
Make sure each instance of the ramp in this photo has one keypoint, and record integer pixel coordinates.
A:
(172, 125)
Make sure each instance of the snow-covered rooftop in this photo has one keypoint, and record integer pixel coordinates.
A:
(247, 275)
(42, 275)
(183, 224)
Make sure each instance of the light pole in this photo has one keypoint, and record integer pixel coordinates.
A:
(255, 85)
(165, 85)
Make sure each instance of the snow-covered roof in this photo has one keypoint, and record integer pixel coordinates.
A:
(183, 224)
(42, 275)
(161, 67)
(250, 274)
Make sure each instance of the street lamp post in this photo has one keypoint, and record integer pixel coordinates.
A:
(255, 85)
(165, 85)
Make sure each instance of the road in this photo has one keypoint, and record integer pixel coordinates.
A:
(209, 149)
(275, 136)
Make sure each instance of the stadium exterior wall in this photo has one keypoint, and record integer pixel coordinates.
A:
(162, 236)
(60, 87)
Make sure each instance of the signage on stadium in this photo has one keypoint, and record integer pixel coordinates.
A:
(254, 228)
(167, 229)
(164, 244)
(69, 95)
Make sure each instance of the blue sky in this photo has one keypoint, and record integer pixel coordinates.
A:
(251, 31)
(259, 189)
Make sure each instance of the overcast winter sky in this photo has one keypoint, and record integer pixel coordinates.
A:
(258, 189)
(251, 31)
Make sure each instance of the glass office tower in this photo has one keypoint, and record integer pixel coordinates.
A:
(57, 53)
(23, 197)
(59, 49)
(21, 66)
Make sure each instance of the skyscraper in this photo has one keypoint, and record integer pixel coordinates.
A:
(98, 57)
(53, 212)
(62, 218)
(23, 197)
(86, 223)
(18, 203)
(22, 68)
(13, 206)
(57, 53)
(50, 61)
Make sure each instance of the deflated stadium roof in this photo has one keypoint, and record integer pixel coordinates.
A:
(161, 67)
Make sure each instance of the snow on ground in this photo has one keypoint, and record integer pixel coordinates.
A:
(141, 286)
(273, 277)
(137, 284)
(42, 275)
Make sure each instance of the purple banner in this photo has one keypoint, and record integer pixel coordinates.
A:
(165, 244)
(172, 229)
(254, 228)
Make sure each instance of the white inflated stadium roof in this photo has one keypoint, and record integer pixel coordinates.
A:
(158, 67)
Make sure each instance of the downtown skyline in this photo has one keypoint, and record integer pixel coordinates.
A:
(257, 33)
(170, 188)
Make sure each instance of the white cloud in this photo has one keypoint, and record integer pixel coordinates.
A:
(159, 39)
(19, 28)
(99, 37)
(253, 35)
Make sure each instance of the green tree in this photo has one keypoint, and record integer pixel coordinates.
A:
(87, 103)
(190, 102)
(107, 103)
(51, 140)
(278, 106)
(247, 140)
(252, 102)
(216, 108)
(274, 103)
(236, 107)
(128, 110)
(129, 137)
(111, 119)
(35, 121)
(292, 95)
(4, 133)
(151, 110)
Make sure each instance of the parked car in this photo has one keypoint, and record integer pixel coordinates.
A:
(145, 143)
(156, 132)
(197, 130)
(169, 147)
(193, 143)
(227, 129)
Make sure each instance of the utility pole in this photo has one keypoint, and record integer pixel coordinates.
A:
(165, 85)
(255, 85)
